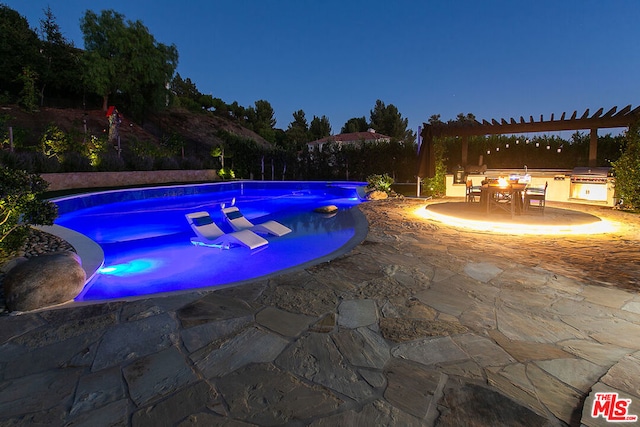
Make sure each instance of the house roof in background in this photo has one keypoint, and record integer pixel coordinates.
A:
(368, 136)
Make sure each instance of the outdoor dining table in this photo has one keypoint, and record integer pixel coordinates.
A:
(501, 197)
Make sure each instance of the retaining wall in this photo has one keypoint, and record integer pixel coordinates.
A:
(66, 181)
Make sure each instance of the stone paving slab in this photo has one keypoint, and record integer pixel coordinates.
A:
(316, 358)
(250, 346)
(357, 313)
(157, 375)
(283, 322)
(128, 341)
(98, 389)
(265, 395)
(422, 324)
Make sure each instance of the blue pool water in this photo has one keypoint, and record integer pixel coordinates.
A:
(146, 238)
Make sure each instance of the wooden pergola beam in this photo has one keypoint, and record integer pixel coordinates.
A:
(495, 127)
(610, 119)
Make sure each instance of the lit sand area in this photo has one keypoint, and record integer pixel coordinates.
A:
(423, 323)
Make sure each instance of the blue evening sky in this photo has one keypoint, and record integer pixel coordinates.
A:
(492, 58)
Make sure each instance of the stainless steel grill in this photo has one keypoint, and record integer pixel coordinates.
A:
(590, 175)
(590, 183)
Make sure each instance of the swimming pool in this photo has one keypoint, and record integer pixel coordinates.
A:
(146, 238)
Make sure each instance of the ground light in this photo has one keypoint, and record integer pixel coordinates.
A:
(130, 268)
(599, 226)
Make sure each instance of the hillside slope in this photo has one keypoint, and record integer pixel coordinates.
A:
(198, 129)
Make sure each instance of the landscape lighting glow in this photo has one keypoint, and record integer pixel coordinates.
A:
(137, 266)
(600, 226)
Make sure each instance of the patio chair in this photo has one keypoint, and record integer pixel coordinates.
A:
(535, 194)
(238, 222)
(473, 193)
(209, 234)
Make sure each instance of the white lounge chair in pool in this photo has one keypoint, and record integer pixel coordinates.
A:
(238, 222)
(209, 234)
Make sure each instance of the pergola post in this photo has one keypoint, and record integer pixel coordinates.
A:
(593, 147)
(465, 150)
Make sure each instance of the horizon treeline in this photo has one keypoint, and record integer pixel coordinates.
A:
(41, 67)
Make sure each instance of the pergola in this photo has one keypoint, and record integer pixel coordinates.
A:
(464, 129)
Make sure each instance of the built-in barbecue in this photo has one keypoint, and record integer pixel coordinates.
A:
(593, 184)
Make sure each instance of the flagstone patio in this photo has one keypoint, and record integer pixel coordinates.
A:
(422, 324)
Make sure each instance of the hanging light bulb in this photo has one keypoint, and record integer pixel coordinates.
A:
(559, 150)
(497, 148)
(537, 144)
(548, 147)
(506, 145)
(527, 141)
(517, 141)
(488, 151)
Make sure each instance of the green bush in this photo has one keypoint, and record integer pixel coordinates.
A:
(379, 183)
(627, 170)
(44, 164)
(139, 162)
(191, 163)
(75, 162)
(226, 173)
(166, 163)
(436, 186)
(110, 162)
(21, 206)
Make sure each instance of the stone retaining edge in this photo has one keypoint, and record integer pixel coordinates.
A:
(67, 181)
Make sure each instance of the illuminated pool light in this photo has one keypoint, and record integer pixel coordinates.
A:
(597, 226)
(138, 266)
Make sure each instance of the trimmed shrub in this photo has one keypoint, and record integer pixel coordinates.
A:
(166, 163)
(192, 163)
(110, 162)
(139, 163)
(75, 162)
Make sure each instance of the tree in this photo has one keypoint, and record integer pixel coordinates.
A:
(355, 124)
(261, 118)
(28, 98)
(387, 120)
(60, 70)
(627, 169)
(319, 128)
(185, 92)
(237, 110)
(19, 49)
(298, 130)
(125, 57)
(461, 118)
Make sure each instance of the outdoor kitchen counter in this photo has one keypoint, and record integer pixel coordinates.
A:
(560, 188)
